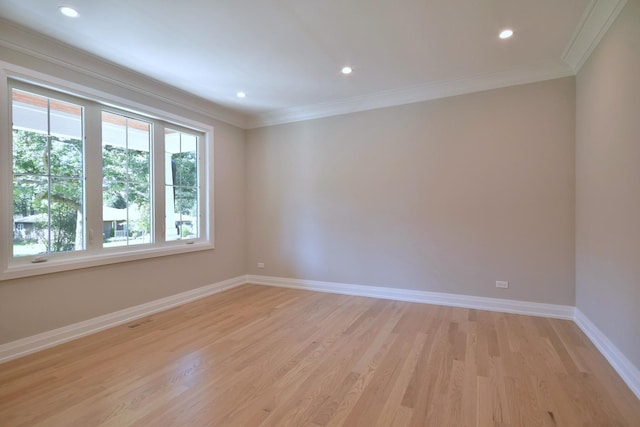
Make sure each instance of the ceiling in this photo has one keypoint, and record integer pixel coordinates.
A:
(287, 54)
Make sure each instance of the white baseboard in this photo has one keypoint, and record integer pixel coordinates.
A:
(629, 373)
(453, 300)
(54, 337)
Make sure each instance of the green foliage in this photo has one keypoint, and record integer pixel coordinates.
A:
(186, 230)
(48, 182)
(118, 201)
(186, 181)
(28, 149)
(63, 228)
(119, 167)
(186, 169)
(126, 184)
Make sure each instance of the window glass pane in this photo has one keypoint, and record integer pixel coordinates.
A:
(47, 218)
(66, 157)
(126, 181)
(189, 212)
(29, 151)
(138, 150)
(182, 221)
(188, 161)
(114, 130)
(65, 120)
(114, 163)
(114, 214)
(181, 185)
(171, 145)
(171, 140)
(171, 214)
(48, 180)
(30, 112)
(139, 214)
(30, 216)
(66, 219)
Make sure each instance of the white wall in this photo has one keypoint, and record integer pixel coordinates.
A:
(608, 185)
(447, 195)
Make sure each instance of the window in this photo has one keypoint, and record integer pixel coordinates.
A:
(126, 180)
(48, 184)
(181, 180)
(93, 184)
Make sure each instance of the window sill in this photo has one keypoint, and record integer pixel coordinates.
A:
(105, 257)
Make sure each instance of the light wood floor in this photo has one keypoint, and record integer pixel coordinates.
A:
(261, 356)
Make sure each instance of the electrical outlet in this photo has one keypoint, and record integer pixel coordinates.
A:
(261, 265)
(502, 284)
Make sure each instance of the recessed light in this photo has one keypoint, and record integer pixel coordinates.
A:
(241, 94)
(69, 11)
(505, 34)
(346, 70)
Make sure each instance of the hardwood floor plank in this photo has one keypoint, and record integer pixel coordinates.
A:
(261, 356)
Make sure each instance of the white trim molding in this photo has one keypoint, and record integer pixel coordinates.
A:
(32, 344)
(594, 24)
(410, 295)
(55, 53)
(419, 93)
(629, 373)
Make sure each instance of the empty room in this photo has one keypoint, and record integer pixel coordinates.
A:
(312, 213)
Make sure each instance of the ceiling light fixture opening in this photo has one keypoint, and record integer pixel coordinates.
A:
(241, 94)
(505, 34)
(347, 70)
(69, 11)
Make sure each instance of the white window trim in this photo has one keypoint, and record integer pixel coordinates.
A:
(93, 256)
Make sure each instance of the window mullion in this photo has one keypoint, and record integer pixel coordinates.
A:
(6, 172)
(48, 172)
(93, 176)
(158, 184)
(205, 185)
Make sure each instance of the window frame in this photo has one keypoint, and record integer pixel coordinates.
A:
(48, 93)
(93, 103)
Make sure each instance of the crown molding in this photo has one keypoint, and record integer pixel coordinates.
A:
(412, 94)
(36, 45)
(594, 24)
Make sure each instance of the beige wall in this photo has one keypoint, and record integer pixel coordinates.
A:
(447, 195)
(36, 304)
(608, 185)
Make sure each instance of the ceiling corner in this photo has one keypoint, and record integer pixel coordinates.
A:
(412, 94)
(39, 46)
(594, 24)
